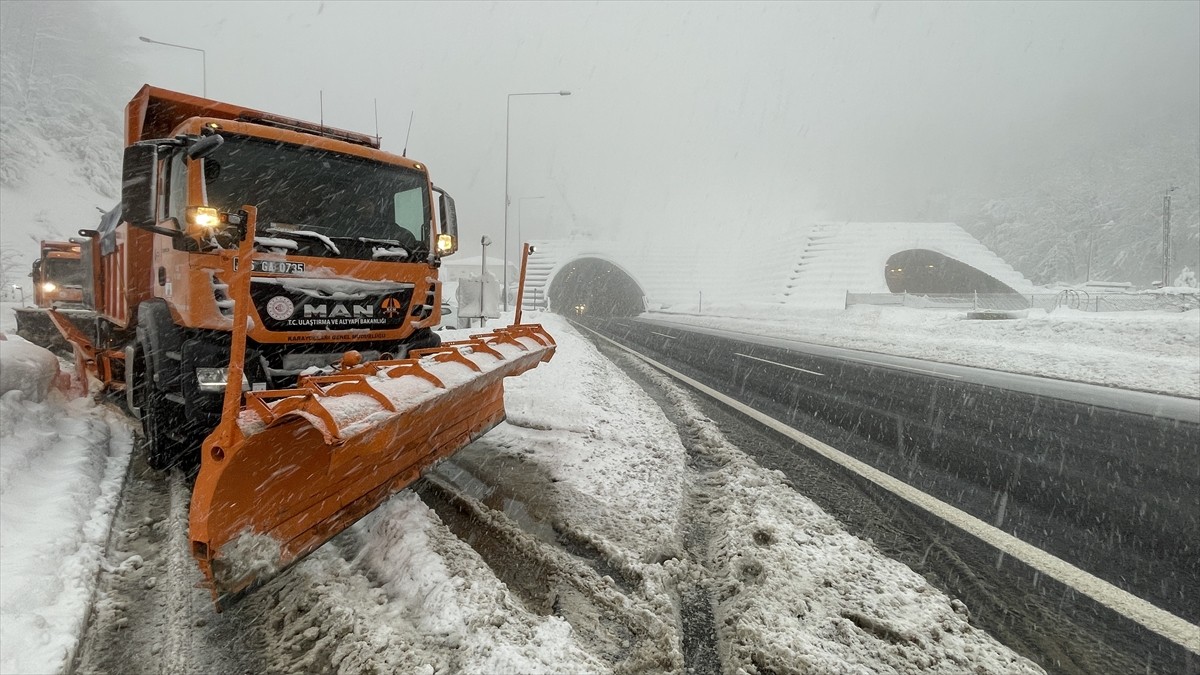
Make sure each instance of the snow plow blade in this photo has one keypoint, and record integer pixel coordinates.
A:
(34, 324)
(295, 467)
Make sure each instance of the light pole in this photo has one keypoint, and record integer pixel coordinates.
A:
(507, 117)
(484, 242)
(1166, 275)
(203, 58)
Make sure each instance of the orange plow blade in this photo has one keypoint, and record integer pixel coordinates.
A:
(298, 466)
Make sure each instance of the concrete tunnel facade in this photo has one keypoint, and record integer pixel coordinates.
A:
(815, 265)
(581, 282)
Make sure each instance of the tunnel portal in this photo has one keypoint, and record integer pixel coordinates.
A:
(927, 272)
(595, 287)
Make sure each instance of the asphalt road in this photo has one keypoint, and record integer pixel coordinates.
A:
(1105, 479)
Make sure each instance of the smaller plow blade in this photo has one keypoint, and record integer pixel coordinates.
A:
(300, 465)
(34, 324)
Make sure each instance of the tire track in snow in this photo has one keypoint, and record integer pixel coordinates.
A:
(149, 616)
(633, 631)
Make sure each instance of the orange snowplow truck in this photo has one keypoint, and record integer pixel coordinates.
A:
(57, 282)
(265, 295)
(57, 276)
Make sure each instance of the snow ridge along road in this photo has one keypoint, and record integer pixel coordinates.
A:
(62, 466)
(1165, 624)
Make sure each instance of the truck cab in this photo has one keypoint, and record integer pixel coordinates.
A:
(58, 276)
(348, 243)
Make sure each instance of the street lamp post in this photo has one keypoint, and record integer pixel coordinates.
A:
(203, 58)
(507, 117)
(484, 242)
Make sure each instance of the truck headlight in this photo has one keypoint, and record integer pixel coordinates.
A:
(446, 244)
(203, 217)
(49, 287)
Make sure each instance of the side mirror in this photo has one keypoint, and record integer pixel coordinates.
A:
(205, 146)
(139, 182)
(447, 242)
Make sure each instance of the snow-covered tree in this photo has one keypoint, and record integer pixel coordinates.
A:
(1186, 279)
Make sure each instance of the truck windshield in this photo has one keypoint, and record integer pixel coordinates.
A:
(297, 188)
(63, 271)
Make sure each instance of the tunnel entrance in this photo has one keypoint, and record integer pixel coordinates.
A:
(927, 272)
(594, 287)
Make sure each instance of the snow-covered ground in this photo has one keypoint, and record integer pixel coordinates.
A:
(1148, 351)
(789, 586)
(62, 464)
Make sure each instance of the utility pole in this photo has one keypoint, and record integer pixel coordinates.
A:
(1166, 247)
(1091, 252)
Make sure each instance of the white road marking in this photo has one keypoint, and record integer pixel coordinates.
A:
(1145, 614)
(915, 370)
(669, 337)
(781, 365)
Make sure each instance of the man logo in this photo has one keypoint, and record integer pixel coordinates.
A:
(392, 306)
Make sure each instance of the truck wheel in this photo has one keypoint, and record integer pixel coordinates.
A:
(160, 417)
(424, 338)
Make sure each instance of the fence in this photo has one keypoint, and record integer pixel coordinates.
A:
(1073, 299)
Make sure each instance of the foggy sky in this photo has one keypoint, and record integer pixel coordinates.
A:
(702, 118)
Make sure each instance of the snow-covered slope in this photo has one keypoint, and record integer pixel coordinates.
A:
(62, 88)
(54, 202)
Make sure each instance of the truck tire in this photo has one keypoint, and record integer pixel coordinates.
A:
(161, 418)
(423, 338)
(161, 340)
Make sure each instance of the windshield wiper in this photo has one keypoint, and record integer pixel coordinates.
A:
(307, 234)
(381, 248)
(370, 240)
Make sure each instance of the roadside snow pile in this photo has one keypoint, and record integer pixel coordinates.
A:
(617, 469)
(27, 368)
(1147, 351)
(62, 464)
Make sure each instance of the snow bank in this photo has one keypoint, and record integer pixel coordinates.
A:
(62, 464)
(1147, 351)
(27, 368)
(617, 466)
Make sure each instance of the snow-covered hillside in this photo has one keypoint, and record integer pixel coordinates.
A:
(52, 203)
(60, 125)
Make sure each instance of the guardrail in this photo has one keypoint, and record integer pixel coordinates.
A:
(1073, 299)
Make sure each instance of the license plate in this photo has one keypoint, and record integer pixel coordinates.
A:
(277, 267)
